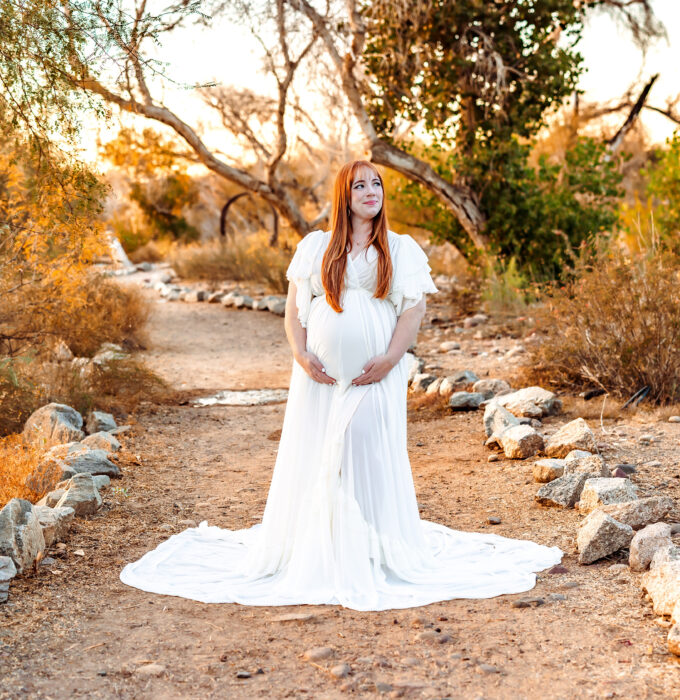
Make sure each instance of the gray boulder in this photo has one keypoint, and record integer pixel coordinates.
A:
(102, 440)
(101, 482)
(92, 462)
(422, 381)
(465, 401)
(21, 536)
(7, 572)
(546, 470)
(55, 522)
(592, 464)
(575, 435)
(53, 424)
(100, 421)
(600, 536)
(532, 402)
(278, 307)
(575, 455)
(497, 419)
(491, 387)
(603, 491)
(662, 581)
(415, 365)
(645, 544)
(520, 442)
(640, 512)
(563, 491)
(81, 495)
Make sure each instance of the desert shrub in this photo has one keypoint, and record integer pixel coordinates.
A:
(152, 251)
(249, 259)
(506, 290)
(615, 325)
(18, 460)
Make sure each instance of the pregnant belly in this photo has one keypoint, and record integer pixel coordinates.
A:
(344, 342)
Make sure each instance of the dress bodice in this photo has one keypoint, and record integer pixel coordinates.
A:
(410, 271)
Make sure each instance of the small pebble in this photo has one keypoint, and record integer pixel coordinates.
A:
(243, 674)
(493, 458)
(318, 653)
(150, 670)
(652, 464)
(556, 596)
(493, 520)
(558, 569)
(571, 584)
(340, 671)
(187, 523)
(674, 419)
(528, 602)
(427, 635)
(488, 668)
(619, 474)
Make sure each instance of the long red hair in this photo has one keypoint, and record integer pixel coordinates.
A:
(335, 258)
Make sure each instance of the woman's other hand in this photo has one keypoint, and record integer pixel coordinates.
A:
(312, 365)
(374, 370)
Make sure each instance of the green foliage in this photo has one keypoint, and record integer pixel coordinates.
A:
(535, 215)
(664, 188)
(506, 290)
(481, 77)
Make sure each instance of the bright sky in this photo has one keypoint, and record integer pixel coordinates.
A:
(228, 55)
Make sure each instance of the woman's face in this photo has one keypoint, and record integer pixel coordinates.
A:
(367, 194)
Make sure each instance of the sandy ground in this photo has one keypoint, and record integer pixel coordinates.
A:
(72, 630)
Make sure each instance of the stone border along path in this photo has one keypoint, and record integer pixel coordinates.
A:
(575, 475)
(82, 467)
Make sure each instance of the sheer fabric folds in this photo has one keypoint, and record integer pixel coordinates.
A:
(341, 524)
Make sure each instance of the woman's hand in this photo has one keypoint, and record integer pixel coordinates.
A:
(374, 370)
(312, 365)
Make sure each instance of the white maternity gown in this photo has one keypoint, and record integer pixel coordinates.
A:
(341, 524)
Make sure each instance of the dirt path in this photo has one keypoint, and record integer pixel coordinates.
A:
(74, 631)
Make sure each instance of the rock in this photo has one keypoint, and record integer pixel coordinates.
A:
(81, 495)
(618, 473)
(214, 297)
(674, 637)
(575, 455)
(449, 345)
(101, 481)
(7, 572)
(674, 419)
(645, 544)
(278, 307)
(100, 421)
(563, 491)
(639, 512)
(627, 468)
(102, 440)
(53, 424)
(340, 670)
(90, 462)
(600, 536)
(463, 378)
(603, 491)
(520, 442)
(491, 387)
(21, 536)
(187, 523)
(592, 464)
(318, 653)
(52, 498)
(242, 301)
(415, 365)
(422, 381)
(493, 520)
(546, 470)
(497, 419)
(465, 401)
(575, 435)
(228, 299)
(527, 602)
(243, 674)
(54, 522)
(109, 352)
(492, 458)
(532, 402)
(434, 387)
(194, 296)
(150, 670)
(662, 581)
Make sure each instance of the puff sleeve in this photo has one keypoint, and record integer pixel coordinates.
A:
(300, 271)
(411, 275)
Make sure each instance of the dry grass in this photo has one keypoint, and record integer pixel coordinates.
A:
(426, 407)
(249, 259)
(18, 461)
(616, 326)
(149, 252)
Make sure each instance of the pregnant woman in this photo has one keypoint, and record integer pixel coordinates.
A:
(341, 524)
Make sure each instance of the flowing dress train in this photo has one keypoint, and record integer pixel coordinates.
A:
(341, 523)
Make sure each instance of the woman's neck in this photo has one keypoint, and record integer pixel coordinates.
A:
(361, 230)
